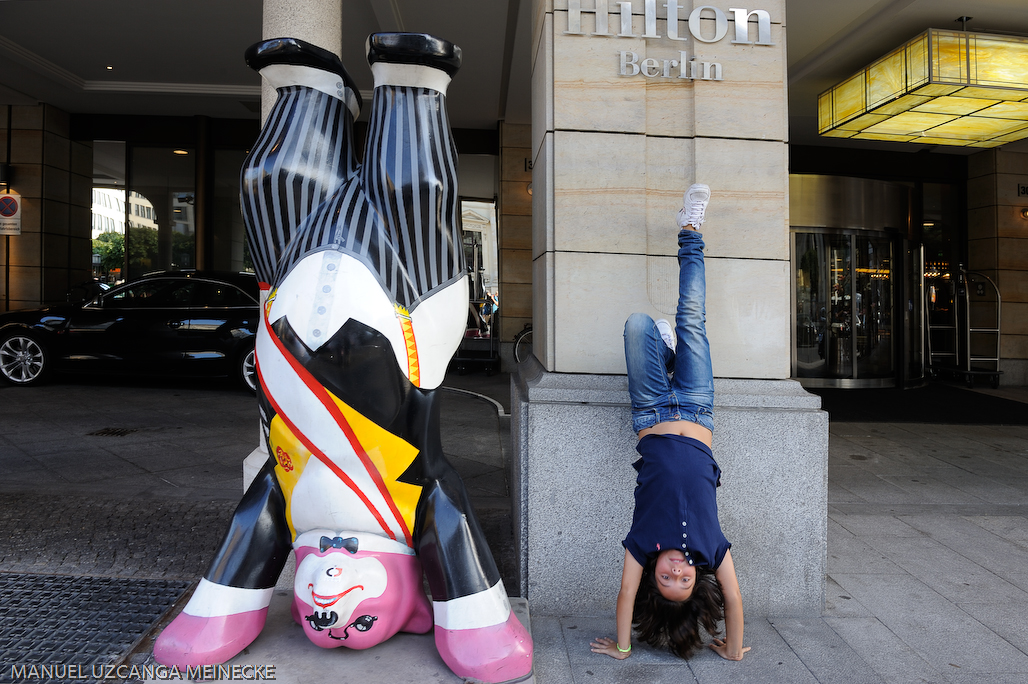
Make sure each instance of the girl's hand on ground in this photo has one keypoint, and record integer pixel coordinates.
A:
(721, 648)
(608, 647)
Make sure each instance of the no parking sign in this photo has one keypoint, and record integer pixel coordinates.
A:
(10, 214)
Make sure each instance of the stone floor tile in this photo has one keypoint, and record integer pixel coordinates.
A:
(1008, 619)
(848, 553)
(938, 631)
(769, 660)
(947, 572)
(1012, 528)
(824, 652)
(894, 661)
(879, 525)
(922, 488)
(840, 604)
(550, 659)
(867, 485)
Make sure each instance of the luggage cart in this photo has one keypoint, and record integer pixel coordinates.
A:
(976, 317)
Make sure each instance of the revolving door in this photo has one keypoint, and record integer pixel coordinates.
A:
(849, 259)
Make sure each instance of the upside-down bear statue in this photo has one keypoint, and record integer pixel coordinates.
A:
(366, 303)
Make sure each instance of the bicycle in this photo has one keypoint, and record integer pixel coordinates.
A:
(523, 344)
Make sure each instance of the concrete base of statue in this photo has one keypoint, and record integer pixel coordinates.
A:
(573, 476)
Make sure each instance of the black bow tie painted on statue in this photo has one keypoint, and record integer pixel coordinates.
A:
(350, 543)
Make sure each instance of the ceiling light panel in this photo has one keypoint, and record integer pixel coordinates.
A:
(940, 88)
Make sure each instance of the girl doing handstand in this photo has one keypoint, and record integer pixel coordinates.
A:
(678, 573)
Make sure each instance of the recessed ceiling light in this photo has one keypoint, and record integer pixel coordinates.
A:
(110, 67)
(180, 151)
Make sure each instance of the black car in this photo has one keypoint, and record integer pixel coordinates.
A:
(176, 323)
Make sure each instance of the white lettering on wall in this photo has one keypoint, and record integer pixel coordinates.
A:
(601, 10)
(653, 68)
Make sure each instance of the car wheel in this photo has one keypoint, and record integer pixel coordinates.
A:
(23, 360)
(247, 369)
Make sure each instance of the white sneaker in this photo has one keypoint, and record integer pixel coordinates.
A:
(694, 206)
(667, 333)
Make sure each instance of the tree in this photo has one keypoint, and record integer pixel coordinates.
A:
(111, 248)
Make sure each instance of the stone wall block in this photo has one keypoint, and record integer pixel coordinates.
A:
(56, 217)
(542, 199)
(81, 190)
(982, 254)
(56, 151)
(748, 211)
(55, 252)
(515, 135)
(31, 215)
(25, 251)
(586, 72)
(27, 117)
(514, 198)
(1011, 162)
(1013, 285)
(25, 286)
(56, 121)
(599, 196)
(981, 164)
(28, 179)
(56, 184)
(1015, 318)
(82, 157)
(80, 250)
(1010, 222)
(1013, 347)
(1012, 253)
(26, 146)
(516, 164)
(543, 292)
(542, 86)
(981, 223)
(80, 222)
(516, 232)
(515, 266)
(981, 191)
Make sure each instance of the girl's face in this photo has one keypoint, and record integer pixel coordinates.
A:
(675, 577)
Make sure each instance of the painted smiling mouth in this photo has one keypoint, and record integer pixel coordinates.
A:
(326, 601)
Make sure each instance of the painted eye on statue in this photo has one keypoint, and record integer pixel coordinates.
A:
(334, 572)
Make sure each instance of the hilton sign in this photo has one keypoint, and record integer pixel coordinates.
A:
(683, 67)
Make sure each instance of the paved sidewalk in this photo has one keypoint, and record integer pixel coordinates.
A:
(928, 538)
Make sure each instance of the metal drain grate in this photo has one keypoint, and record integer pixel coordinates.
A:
(112, 432)
(78, 621)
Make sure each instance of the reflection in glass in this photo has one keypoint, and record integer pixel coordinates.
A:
(844, 302)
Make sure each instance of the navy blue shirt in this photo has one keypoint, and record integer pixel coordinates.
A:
(676, 501)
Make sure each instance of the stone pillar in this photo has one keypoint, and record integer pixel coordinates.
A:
(515, 232)
(628, 111)
(997, 194)
(53, 175)
(316, 21)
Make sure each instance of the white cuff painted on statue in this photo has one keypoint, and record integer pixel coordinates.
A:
(484, 609)
(438, 322)
(217, 600)
(285, 75)
(410, 76)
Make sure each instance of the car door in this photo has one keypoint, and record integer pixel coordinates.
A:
(211, 336)
(141, 325)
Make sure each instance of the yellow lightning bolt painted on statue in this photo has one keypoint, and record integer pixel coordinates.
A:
(413, 368)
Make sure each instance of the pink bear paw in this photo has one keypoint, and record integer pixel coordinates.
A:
(190, 641)
(500, 653)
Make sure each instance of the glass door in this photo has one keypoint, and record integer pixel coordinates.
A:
(843, 309)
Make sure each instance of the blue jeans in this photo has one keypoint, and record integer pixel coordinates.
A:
(688, 394)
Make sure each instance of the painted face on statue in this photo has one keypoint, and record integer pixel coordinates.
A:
(357, 599)
(334, 585)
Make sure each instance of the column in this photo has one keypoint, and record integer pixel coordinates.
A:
(997, 227)
(629, 109)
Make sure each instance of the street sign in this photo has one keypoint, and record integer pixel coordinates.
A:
(10, 214)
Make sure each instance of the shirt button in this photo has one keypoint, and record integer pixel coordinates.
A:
(683, 523)
(684, 535)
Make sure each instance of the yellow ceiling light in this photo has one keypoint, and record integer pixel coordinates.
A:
(941, 88)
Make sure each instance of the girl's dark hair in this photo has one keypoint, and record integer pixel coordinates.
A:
(675, 625)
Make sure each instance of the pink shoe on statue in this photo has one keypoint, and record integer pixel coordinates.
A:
(190, 641)
(217, 624)
(499, 653)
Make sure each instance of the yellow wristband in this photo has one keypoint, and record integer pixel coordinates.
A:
(623, 650)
